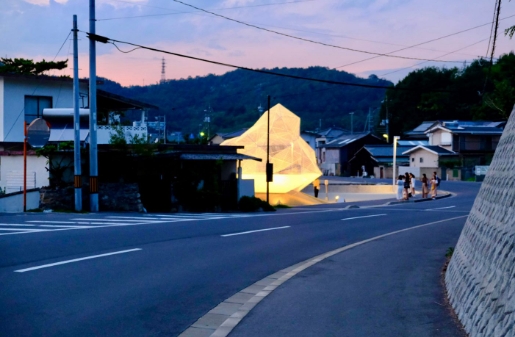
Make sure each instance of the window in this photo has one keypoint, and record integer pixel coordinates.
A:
(34, 106)
(421, 159)
(412, 159)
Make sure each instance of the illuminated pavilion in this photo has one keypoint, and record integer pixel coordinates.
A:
(293, 159)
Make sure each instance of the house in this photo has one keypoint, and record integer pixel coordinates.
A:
(428, 159)
(378, 159)
(473, 141)
(334, 156)
(24, 98)
(220, 137)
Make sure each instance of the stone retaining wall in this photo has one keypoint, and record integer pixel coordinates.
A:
(480, 278)
(112, 197)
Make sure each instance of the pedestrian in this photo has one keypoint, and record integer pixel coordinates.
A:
(425, 190)
(434, 184)
(400, 187)
(407, 186)
(316, 187)
(412, 184)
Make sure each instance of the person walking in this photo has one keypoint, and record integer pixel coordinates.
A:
(425, 190)
(316, 187)
(434, 184)
(400, 187)
(406, 186)
(412, 184)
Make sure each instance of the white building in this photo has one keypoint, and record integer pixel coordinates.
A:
(23, 99)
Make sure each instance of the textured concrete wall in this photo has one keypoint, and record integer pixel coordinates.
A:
(480, 279)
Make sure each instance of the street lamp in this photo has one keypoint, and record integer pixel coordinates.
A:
(395, 139)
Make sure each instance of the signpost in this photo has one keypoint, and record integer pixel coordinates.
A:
(37, 135)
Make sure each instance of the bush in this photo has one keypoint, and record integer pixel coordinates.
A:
(253, 204)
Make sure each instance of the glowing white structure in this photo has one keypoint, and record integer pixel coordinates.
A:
(294, 160)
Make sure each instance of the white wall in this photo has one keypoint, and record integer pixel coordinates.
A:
(12, 101)
(15, 163)
(14, 203)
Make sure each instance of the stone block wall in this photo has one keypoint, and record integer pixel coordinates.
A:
(480, 278)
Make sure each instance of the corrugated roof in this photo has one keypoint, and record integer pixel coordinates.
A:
(432, 148)
(344, 140)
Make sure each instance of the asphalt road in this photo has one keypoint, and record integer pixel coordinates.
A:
(156, 274)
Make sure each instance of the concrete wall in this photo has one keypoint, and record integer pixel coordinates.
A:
(480, 278)
(13, 203)
(14, 163)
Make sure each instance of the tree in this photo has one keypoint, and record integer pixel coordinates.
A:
(58, 163)
(29, 67)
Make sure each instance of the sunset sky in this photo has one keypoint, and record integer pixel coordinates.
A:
(37, 29)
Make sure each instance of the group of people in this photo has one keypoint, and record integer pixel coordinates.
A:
(406, 186)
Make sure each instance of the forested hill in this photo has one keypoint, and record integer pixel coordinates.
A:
(232, 100)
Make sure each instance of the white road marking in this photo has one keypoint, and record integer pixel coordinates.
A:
(19, 229)
(364, 216)
(108, 220)
(15, 224)
(254, 231)
(65, 226)
(46, 221)
(432, 209)
(75, 260)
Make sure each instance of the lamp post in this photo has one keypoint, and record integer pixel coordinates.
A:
(395, 139)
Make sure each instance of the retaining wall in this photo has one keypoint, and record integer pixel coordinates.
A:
(13, 202)
(480, 278)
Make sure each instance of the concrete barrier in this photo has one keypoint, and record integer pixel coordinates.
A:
(480, 278)
(13, 202)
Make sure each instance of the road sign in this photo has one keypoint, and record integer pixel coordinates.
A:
(38, 132)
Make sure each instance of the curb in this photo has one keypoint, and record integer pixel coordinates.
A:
(420, 200)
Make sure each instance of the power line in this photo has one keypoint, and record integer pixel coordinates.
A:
(104, 39)
(190, 12)
(457, 50)
(309, 40)
(425, 42)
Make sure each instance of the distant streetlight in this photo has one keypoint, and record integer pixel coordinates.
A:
(351, 123)
(385, 135)
(395, 139)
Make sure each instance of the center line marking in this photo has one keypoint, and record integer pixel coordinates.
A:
(364, 216)
(254, 231)
(75, 260)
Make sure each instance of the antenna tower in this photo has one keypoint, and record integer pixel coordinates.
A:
(163, 66)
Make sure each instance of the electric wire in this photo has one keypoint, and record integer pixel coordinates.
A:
(455, 51)
(262, 71)
(309, 40)
(192, 12)
(428, 41)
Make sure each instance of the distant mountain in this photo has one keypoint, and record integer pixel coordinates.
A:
(232, 100)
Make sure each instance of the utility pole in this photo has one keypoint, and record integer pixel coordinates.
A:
(93, 155)
(269, 166)
(76, 122)
(351, 123)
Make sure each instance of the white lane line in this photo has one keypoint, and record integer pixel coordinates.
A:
(254, 231)
(364, 216)
(75, 260)
(66, 226)
(16, 224)
(432, 209)
(19, 229)
(45, 221)
(108, 220)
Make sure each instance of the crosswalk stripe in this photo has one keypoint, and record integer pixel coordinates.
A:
(19, 229)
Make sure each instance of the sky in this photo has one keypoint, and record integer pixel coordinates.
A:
(39, 29)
